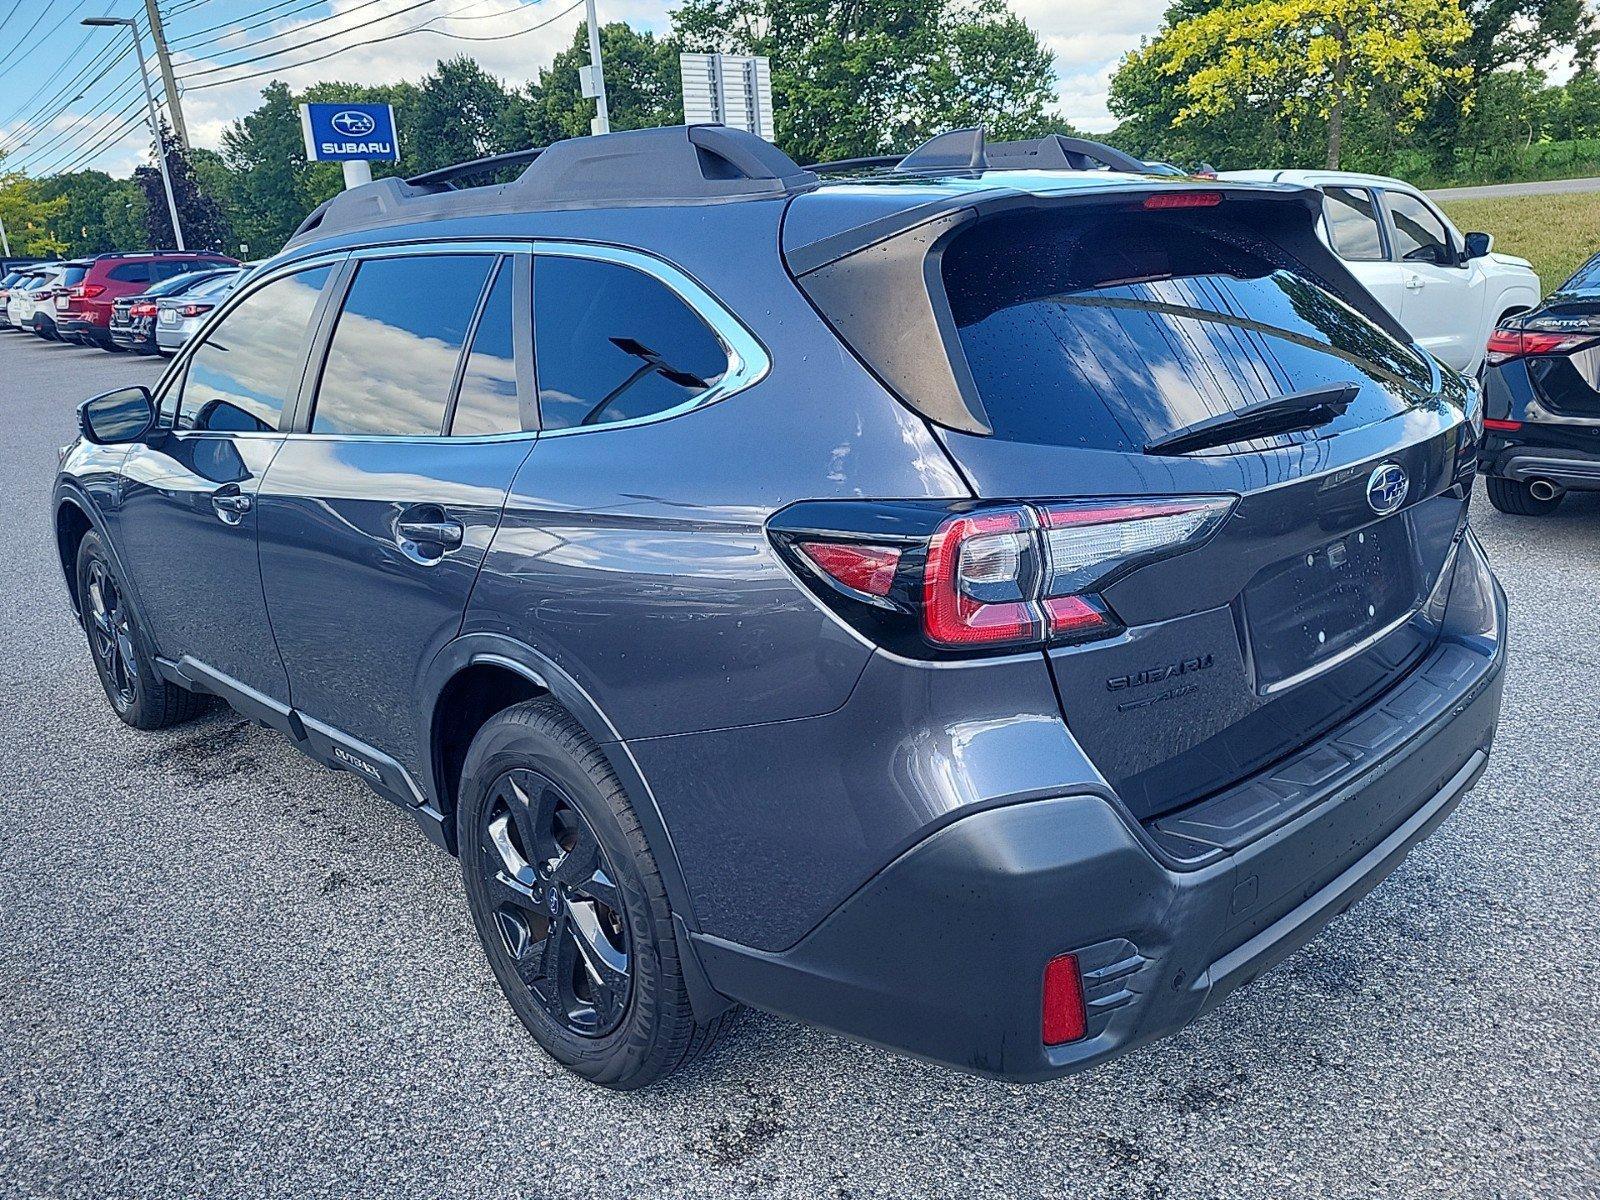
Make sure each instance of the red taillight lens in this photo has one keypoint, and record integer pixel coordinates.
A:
(979, 582)
(868, 569)
(1501, 426)
(194, 310)
(1183, 200)
(1507, 344)
(88, 291)
(142, 310)
(1064, 1018)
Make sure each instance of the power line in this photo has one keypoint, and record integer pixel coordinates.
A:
(234, 27)
(43, 9)
(70, 133)
(74, 88)
(423, 28)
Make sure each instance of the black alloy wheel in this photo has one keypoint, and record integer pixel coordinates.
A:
(111, 636)
(555, 903)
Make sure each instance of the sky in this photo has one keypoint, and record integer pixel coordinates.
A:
(70, 97)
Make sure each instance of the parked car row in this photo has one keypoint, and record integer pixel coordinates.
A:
(113, 300)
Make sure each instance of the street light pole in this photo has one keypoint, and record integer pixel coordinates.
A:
(155, 124)
(597, 76)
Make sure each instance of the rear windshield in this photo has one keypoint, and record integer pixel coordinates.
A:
(1112, 331)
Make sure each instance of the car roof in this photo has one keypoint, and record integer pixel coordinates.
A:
(1309, 177)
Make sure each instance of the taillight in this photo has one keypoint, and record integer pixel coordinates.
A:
(85, 291)
(142, 310)
(1063, 1018)
(194, 310)
(1507, 344)
(922, 578)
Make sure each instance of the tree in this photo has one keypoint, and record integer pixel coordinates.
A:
(27, 216)
(643, 87)
(204, 225)
(458, 113)
(853, 79)
(1308, 60)
(98, 213)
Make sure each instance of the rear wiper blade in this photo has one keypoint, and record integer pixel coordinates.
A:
(1281, 414)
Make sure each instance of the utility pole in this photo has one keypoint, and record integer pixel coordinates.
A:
(594, 81)
(169, 81)
(155, 123)
(5, 242)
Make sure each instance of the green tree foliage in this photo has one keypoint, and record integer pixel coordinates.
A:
(853, 79)
(204, 225)
(643, 88)
(28, 215)
(98, 213)
(458, 113)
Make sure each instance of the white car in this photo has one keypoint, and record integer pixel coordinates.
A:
(1447, 288)
(33, 296)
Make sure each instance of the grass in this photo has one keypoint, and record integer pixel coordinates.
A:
(1554, 233)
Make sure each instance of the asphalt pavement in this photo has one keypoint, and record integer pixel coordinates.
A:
(1541, 187)
(227, 972)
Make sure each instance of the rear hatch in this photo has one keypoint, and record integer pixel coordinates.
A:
(1203, 349)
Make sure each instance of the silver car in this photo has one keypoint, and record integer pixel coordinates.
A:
(178, 317)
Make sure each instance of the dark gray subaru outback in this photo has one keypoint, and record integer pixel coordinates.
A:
(980, 604)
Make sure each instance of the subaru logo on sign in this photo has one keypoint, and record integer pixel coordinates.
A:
(1386, 488)
(353, 123)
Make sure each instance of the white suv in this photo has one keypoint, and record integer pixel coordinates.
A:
(1448, 288)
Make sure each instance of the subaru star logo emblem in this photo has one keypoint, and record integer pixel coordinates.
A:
(352, 123)
(1386, 488)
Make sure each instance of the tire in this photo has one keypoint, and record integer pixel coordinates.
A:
(1510, 496)
(136, 692)
(568, 902)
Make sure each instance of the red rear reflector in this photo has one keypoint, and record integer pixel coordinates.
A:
(868, 569)
(1183, 200)
(1501, 426)
(1064, 1019)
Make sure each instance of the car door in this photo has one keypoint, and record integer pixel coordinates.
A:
(1353, 228)
(1444, 296)
(376, 514)
(188, 508)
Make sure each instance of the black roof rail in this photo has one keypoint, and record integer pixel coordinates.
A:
(636, 167)
(967, 150)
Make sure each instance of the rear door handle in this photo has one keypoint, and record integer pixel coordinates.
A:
(1414, 282)
(429, 525)
(231, 504)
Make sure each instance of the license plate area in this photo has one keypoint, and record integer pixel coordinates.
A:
(1309, 610)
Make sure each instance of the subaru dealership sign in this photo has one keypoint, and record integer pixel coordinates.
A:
(349, 132)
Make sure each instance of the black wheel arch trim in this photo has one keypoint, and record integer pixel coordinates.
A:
(68, 491)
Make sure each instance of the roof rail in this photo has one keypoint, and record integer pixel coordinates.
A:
(966, 150)
(675, 164)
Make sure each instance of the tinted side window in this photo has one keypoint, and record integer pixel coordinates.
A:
(612, 343)
(1419, 233)
(1586, 276)
(1353, 224)
(394, 351)
(73, 275)
(134, 272)
(488, 399)
(249, 366)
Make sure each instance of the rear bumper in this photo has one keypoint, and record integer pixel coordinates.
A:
(1575, 470)
(82, 329)
(942, 953)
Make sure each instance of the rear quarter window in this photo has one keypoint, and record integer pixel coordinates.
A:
(133, 272)
(1109, 333)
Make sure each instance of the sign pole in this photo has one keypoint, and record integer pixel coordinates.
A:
(5, 242)
(357, 171)
(597, 76)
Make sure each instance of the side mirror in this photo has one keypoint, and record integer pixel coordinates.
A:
(117, 418)
(1477, 245)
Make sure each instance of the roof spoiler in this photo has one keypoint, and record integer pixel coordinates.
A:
(679, 163)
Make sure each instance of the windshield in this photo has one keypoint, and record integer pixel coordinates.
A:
(1113, 332)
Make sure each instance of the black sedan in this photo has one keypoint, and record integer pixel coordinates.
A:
(1542, 400)
(133, 318)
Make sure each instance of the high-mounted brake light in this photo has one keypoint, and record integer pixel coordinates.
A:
(1183, 200)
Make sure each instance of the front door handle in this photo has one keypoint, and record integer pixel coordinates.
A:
(1414, 282)
(231, 504)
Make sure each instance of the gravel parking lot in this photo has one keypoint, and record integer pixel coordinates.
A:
(228, 972)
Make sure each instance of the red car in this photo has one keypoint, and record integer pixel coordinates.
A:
(83, 312)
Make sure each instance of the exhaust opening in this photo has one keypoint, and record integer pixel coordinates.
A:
(1543, 489)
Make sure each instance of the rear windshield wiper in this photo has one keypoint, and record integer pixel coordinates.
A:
(1281, 414)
